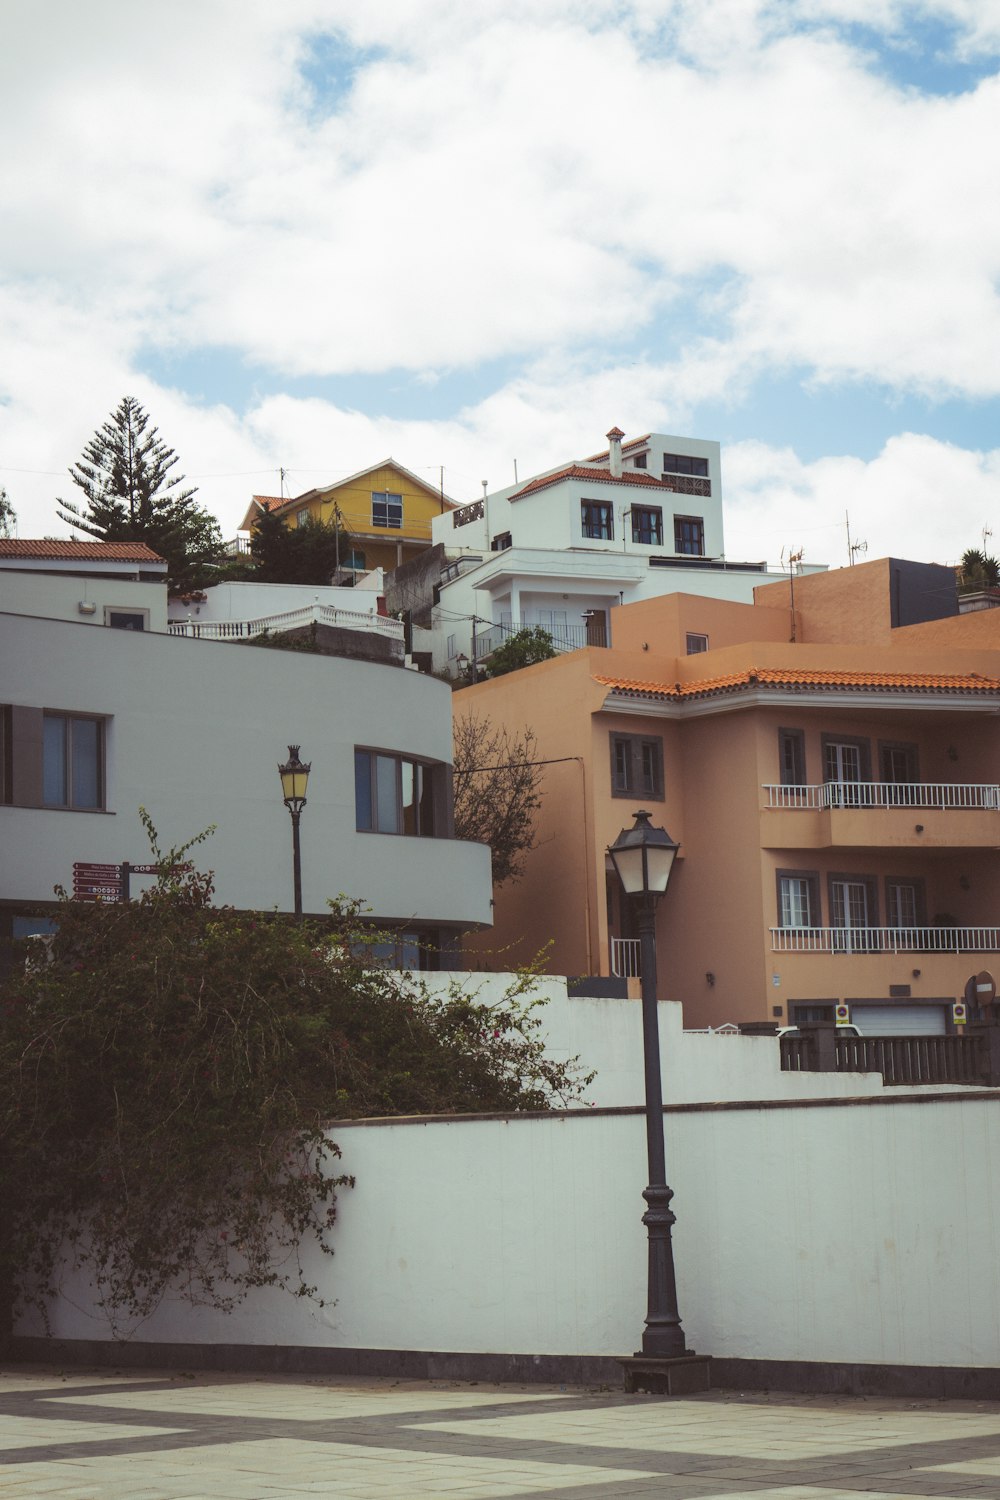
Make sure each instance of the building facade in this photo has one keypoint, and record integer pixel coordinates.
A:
(837, 807)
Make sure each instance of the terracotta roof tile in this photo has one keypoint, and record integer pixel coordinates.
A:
(928, 682)
(84, 551)
(636, 442)
(593, 476)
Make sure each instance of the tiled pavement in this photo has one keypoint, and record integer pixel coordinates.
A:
(106, 1435)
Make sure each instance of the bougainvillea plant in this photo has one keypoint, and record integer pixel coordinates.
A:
(168, 1070)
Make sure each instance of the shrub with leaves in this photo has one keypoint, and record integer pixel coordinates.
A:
(168, 1071)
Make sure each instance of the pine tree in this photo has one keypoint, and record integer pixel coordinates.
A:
(124, 472)
(8, 516)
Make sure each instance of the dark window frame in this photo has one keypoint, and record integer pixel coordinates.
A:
(639, 461)
(919, 887)
(6, 754)
(909, 749)
(653, 515)
(501, 542)
(685, 463)
(813, 887)
(71, 802)
(429, 805)
(695, 642)
(689, 536)
(793, 741)
(870, 883)
(637, 765)
(383, 499)
(597, 520)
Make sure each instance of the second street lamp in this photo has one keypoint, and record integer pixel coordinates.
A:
(643, 857)
(294, 781)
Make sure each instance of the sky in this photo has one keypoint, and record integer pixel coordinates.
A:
(310, 235)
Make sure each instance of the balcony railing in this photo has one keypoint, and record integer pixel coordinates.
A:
(926, 794)
(626, 962)
(293, 619)
(564, 637)
(467, 513)
(885, 940)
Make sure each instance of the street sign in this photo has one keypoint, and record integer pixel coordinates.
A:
(145, 869)
(842, 1014)
(981, 989)
(97, 882)
(959, 1015)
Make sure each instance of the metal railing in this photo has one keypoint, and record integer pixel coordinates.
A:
(626, 962)
(292, 619)
(564, 637)
(686, 484)
(885, 940)
(979, 796)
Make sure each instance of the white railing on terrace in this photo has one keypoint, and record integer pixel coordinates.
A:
(564, 637)
(885, 940)
(835, 794)
(292, 619)
(625, 959)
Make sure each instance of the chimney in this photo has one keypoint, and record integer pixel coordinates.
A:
(615, 452)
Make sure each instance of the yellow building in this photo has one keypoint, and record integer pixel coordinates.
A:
(386, 510)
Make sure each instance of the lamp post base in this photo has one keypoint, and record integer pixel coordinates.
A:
(687, 1375)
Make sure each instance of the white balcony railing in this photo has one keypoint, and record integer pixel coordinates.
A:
(865, 940)
(847, 794)
(625, 960)
(293, 619)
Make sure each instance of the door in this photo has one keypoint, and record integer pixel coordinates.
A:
(842, 766)
(849, 914)
(899, 1020)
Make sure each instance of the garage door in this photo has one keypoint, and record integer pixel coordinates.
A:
(899, 1020)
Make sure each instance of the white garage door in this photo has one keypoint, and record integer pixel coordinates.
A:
(899, 1020)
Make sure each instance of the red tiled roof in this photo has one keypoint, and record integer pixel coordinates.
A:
(266, 501)
(597, 458)
(897, 682)
(593, 476)
(84, 551)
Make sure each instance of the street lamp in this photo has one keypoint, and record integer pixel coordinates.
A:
(294, 780)
(643, 857)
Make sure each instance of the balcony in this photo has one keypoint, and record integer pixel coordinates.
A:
(625, 958)
(564, 637)
(879, 814)
(865, 940)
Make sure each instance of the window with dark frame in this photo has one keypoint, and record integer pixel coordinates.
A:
(905, 902)
(387, 509)
(647, 525)
(501, 542)
(72, 761)
(847, 767)
(853, 911)
(689, 536)
(684, 463)
(6, 754)
(637, 766)
(798, 898)
(597, 520)
(792, 757)
(393, 794)
(639, 461)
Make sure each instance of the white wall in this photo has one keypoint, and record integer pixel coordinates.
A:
(58, 597)
(196, 730)
(252, 601)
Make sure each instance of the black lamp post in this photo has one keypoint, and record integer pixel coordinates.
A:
(294, 780)
(643, 857)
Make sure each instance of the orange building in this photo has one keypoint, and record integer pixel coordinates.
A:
(829, 766)
(386, 510)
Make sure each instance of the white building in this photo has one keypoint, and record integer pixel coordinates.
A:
(642, 519)
(95, 724)
(118, 584)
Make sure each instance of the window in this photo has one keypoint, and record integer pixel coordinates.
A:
(682, 463)
(126, 619)
(847, 764)
(387, 510)
(302, 517)
(853, 912)
(798, 898)
(597, 520)
(792, 757)
(636, 766)
(72, 761)
(452, 648)
(689, 536)
(647, 525)
(501, 542)
(897, 764)
(904, 903)
(639, 461)
(803, 1014)
(696, 644)
(6, 754)
(394, 795)
(354, 562)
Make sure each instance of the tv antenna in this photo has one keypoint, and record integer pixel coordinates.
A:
(853, 548)
(794, 561)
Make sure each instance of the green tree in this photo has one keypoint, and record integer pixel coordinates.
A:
(131, 496)
(496, 779)
(309, 553)
(978, 572)
(521, 650)
(167, 1074)
(8, 515)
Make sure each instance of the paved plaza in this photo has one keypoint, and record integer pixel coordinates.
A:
(101, 1435)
